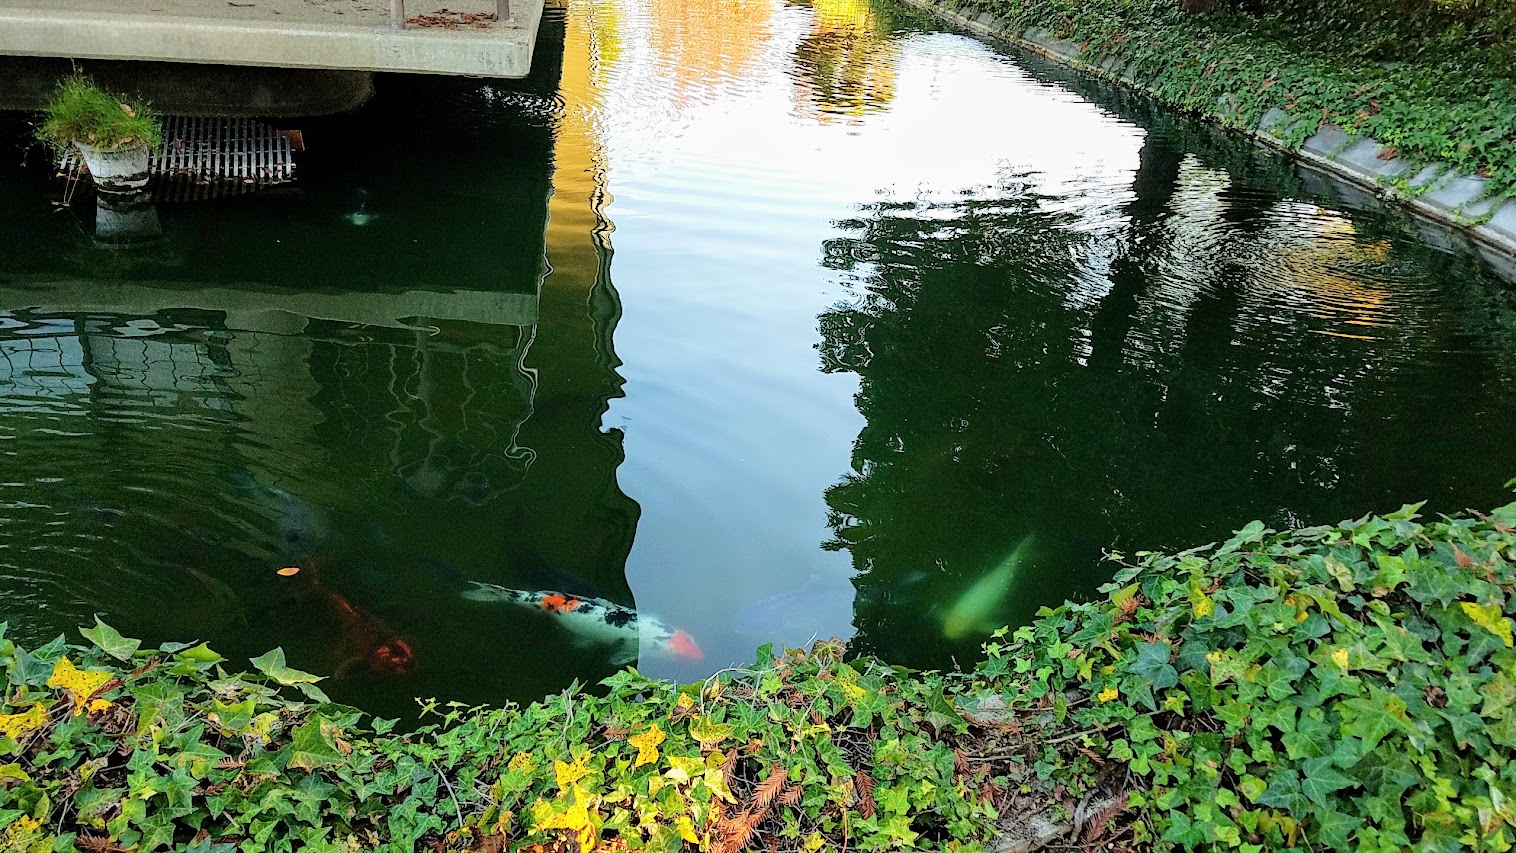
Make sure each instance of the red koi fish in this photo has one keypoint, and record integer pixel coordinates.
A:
(372, 644)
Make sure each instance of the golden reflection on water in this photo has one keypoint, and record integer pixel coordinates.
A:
(701, 44)
(577, 226)
(1326, 261)
(846, 64)
(1300, 259)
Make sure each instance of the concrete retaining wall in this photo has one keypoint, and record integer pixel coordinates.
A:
(1442, 194)
(275, 34)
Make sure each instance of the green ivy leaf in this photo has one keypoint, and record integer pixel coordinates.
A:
(110, 641)
(1251, 533)
(1152, 665)
(272, 665)
(157, 830)
(1321, 780)
(312, 692)
(234, 717)
(1340, 573)
(1185, 832)
(1283, 792)
(1335, 828)
(940, 712)
(311, 747)
(1373, 717)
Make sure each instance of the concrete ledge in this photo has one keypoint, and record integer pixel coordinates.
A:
(282, 34)
(262, 309)
(1453, 200)
(204, 90)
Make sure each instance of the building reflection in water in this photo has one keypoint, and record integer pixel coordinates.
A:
(415, 400)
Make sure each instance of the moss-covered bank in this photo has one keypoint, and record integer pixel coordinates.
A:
(1347, 687)
(1433, 127)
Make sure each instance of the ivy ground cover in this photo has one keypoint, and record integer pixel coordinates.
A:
(1347, 687)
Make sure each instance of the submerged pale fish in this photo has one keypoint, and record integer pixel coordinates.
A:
(596, 620)
(300, 530)
(820, 607)
(978, 609)
(361, 216)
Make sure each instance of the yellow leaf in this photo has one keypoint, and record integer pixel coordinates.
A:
(685, 702)
(1125, 594)
(687, 830)
(1204, 606)
(568, 774)
(80, 683)
(647, 820)
(1108, 694)
(814, 842)
(682, 769)
(521, 762)
(263, 725)
(1490, 618)
(715, 777)
(573, 815)
(1340, 657)
(647, 745)
(99, 705)
(710, 734)
(19, 835)
(16, 725)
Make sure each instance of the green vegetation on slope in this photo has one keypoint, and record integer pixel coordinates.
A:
(162, 748)
(1437, 87)
(1476, 35)
(1348, 687)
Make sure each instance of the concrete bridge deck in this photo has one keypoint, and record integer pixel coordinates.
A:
(458, 37)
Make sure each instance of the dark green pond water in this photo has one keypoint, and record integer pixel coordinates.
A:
(775, 321)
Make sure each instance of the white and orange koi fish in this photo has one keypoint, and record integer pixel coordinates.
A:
(597, 620)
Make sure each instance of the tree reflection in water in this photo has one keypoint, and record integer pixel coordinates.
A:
(1219, 355)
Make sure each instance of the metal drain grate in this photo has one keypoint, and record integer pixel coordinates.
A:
(212, 157)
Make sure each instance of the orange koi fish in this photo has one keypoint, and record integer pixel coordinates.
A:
(598, 621)
(372, 644)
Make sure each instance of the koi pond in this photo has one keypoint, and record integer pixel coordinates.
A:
(736, 323)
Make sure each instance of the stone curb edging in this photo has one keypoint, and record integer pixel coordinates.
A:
(1449, 197)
